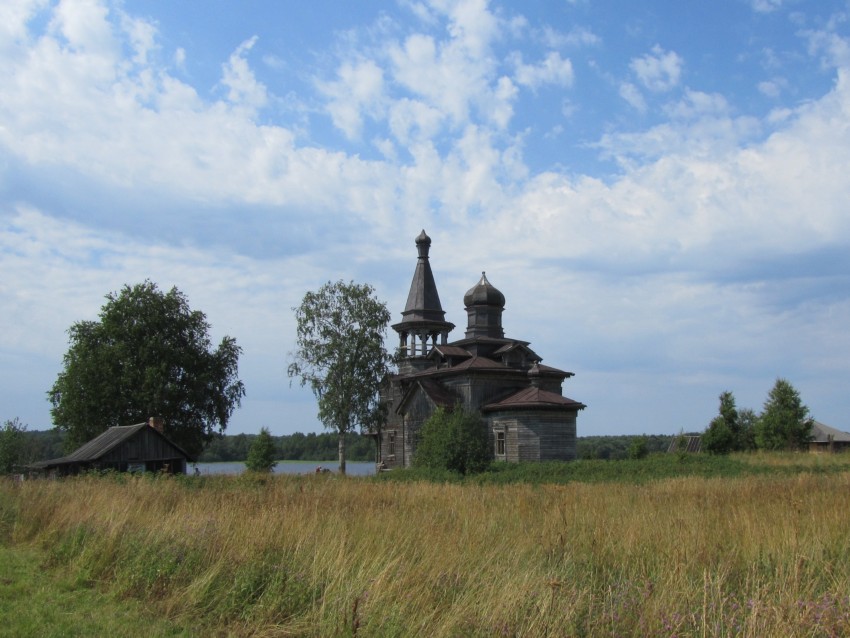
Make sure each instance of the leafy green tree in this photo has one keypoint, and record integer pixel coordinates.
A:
(638, 448)
(148, 354)
(723, 434)
(261, 456)
(785, 423)
(454, 440)
(12, 444)
(747, 420)
(340, 354)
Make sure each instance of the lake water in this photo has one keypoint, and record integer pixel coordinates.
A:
(352, 468)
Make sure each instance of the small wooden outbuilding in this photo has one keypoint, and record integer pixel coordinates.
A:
(143, 447)
(828, 439)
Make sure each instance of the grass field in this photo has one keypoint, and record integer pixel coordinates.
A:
(747, 546)
(47, 604)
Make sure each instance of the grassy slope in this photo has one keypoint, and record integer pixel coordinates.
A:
(35, 602)
(759, 552)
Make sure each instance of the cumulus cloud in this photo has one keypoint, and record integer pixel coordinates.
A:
(705, 243)
(356, 92)
(243, 89)
(551, 70)
(631, 94)
(658, 70)
(771, 88)
(766, 6)
(575, 37)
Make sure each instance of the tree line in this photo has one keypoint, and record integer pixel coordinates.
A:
(21, 446)
(150, 354)
(784, 423)
(323, 446)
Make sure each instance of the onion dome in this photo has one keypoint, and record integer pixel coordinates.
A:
(484, 305)
(484, 294)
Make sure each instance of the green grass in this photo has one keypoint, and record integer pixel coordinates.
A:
(747, 545)
(35, 601)
(655, 467)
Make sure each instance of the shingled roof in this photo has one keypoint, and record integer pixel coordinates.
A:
(535, 398)
(103, 444)
(821, 433)
(439, 394)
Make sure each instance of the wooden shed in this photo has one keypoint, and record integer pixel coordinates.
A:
(828, 439)
(125, 448)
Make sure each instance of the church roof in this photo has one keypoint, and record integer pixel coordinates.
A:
(423, 300)
(452, 351)
(478, 363)
(534, 398)
(439, 394)
(550, 370)
(484, 293)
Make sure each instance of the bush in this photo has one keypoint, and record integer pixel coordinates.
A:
(639, 449)
(453, 440)
(261, 456)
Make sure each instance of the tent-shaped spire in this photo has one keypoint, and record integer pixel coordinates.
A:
(423, 317)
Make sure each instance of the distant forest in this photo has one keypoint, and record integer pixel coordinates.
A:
(47, 444)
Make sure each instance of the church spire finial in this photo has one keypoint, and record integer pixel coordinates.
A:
(423, 245)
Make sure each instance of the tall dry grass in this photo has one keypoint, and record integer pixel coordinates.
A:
(328, 556)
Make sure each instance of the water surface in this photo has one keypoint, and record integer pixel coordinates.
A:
(353, 468)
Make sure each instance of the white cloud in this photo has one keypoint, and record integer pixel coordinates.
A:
(643, 265)
(14, 15)
(180, 58)
(771, 88)
(659, 70)
(411, 120)
(766, 6)
(551, 70)
(142, 35)
(244, 91)
(631, 94)
(834, 48)
(457, 76)
(575, 37)
(84, 25)
(696, 104)
(358, 91)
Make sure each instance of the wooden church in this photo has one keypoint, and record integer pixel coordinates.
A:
(520, 400)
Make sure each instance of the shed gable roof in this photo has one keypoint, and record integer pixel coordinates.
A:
(821, 433)
(105, 442)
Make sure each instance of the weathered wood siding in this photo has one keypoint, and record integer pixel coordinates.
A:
(145, 446)
(419, 409)
(391, 453)
(536, 436)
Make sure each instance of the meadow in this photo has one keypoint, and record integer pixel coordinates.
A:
(747, 546)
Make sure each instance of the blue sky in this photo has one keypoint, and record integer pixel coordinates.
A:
(658, 188)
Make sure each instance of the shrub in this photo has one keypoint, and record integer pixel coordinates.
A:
(261, 456)
(639, 449)
(453, 440)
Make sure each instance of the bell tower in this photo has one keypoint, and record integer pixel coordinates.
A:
(423, 320)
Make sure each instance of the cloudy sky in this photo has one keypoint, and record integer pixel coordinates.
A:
(660, 188)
